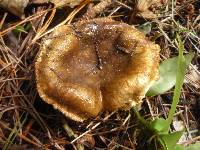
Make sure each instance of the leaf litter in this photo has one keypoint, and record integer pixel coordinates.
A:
(43, 127)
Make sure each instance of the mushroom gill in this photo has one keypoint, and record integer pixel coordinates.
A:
(95, 65)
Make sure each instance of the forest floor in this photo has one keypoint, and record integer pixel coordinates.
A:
(26, 122)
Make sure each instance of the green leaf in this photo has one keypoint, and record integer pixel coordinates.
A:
(145, 28)
(195, 146)
(178, 147)
(28, 26)
(167, 80)
(170, 140)
(159, 125)
(180, 74)
(172, 72)
(19, 29)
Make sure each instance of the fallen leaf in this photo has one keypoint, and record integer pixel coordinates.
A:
(87, 139)
(15, 6)
(193, 77)
(61, 3)
(146, 7)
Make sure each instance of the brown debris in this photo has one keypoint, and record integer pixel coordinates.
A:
(193, 77)
(58, 3)
(116, 130)
(15, 6)
(146, 8)
(87, 139)
(94, 10)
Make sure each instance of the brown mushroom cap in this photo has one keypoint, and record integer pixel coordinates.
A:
(95, 65)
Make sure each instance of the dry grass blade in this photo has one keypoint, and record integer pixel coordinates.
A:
(44, 28)
(68, 19)
(33, 17)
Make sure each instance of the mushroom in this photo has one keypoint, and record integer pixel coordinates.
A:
(95, 65)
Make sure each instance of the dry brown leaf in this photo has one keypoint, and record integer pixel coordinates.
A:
(14, 6)
(58, 3)
(145, 7)
(61, 3)
(87, 139)
(17, 7)
(193, 77)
